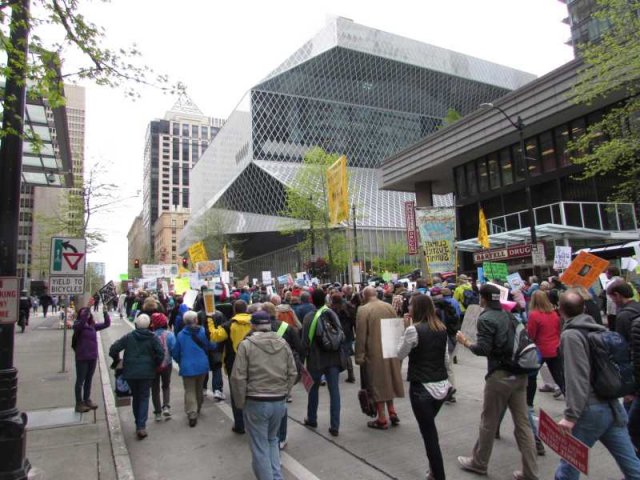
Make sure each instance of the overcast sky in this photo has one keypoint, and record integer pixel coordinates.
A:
(220, 49)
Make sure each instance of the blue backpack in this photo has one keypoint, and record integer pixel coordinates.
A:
(470, 297)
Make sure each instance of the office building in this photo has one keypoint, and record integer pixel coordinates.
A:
(167, 230)
(138, 246)
(351, 90)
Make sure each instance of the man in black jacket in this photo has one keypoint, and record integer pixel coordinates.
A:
(503, 389)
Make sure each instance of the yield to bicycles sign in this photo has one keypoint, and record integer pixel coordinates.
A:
(68, 256)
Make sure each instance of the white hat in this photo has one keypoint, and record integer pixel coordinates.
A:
(143, 321)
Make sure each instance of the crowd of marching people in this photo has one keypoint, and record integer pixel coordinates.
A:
(262, 342)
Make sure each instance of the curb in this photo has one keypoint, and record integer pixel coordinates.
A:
(119, 450)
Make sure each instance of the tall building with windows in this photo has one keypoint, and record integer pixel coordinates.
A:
(173, 146)
(167, 230)
(351, 90)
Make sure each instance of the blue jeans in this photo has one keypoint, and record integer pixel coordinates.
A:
(140, 390)
(282, 432)
(216, 378)
(262, 420)
(332, 375)
(598, 422)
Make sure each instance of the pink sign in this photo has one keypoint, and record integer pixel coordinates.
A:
(567, 446)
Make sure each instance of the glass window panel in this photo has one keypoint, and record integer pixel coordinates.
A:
(505, 166)
(185, 130)
(204, 131)
(31, 161)
(533, 161)
(561, 135)
(461, 186)
(483, 175)
(194, 130)
(577, 128)
(176, 129)
(494, 171)
(547, 152)
(49, 162)
(600, 137)
(472, 187)
(36, 114)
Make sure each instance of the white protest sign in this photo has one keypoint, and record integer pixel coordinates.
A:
(562, 258)
(470, 330)
(515, 281)
(189, 297)
(266, 278)
(391, 329)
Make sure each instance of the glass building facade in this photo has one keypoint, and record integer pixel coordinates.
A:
(351, 90)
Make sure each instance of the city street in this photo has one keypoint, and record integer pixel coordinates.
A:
(212, 451)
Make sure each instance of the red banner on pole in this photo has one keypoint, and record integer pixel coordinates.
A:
(567, 446)
(412, 230)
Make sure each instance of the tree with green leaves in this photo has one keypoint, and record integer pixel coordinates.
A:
(209, 228)
(307, 202)
(612, 67)
(393, 260)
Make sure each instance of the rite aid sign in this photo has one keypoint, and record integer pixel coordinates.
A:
(9, 299)
(505, 253)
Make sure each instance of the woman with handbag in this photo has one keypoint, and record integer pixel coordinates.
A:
(191, 351)
(425, 343)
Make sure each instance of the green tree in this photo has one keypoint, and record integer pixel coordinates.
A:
(393, 260)
(612, 67)
(307, 202)
(209, 228)
(451, 117)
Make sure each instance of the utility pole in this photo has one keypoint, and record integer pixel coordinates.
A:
(13, 440)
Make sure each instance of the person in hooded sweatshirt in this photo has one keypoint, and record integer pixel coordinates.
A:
(85, 346)
(191, 351)
(143, 354)
(263, 374)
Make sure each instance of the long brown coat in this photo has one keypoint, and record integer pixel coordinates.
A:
(383, 374)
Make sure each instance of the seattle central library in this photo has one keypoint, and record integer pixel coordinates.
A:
(351, 90)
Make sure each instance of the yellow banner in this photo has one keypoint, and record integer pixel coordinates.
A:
(483, 234)
(198, 253)
(338, 191)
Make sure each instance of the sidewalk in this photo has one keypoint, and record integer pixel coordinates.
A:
(60, 442)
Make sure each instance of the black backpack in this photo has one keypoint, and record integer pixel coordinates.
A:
(329, 331)
(450, 317)
(522, 355)
(611, 368)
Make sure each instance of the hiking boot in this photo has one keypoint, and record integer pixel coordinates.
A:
(466, 463)
(82, 408)
(310, 424)
(334, 432)
(142, 434)
(158, 416)
(166, 412)
(90, 404)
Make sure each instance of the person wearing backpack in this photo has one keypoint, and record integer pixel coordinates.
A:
(588, 416)
(85, 345)
(322, 359)
(464, 294)
(450, 316)
(505, 387)
(383, 376)
(163, 372)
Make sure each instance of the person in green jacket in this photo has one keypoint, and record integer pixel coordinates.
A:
(143, 354)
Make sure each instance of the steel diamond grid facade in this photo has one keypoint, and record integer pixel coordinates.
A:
(351, 90)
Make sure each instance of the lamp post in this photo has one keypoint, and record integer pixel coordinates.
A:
(13, 438)
(519, 126)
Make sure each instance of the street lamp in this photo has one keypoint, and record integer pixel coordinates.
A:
(519, 126)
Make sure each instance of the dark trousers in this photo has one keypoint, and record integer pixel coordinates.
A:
(140, 390)
(45, 309)
(165, 378)
(216, 379)
(555, 368)
(425, 408)
(84, 376)
(238, 420)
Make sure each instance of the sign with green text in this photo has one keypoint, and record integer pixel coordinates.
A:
(495, 271)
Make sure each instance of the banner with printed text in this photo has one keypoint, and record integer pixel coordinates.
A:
(198, 253)
(437, 227)
(338, 191)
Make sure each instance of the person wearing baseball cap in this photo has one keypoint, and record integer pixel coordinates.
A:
(503, 388)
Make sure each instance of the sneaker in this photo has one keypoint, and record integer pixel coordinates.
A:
(518, 475)
(158, 416)
(466, 463)
(546, 388)
(540, 448)
(218, 395)
(90, 404)
(239, 431)
(82, 408)
(307, 423)
(557, 394)
(142, 434)
(289, 399)
(166, 412)
(334, 432)
(283, 444)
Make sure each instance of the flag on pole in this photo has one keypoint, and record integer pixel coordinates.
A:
(337, 191)
(483, 235)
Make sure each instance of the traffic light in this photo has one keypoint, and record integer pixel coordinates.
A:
(185, 262)
(136, 263)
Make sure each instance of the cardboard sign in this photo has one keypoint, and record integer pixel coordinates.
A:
(562, 258)
(198, 253)
(391, 329)
(584, 270)
(572, 450)
(210, 268)
(515, 281)
(209, 302)
(108, 293)
(495, 271)
(9, 300)
(189, 297)
(470, 329)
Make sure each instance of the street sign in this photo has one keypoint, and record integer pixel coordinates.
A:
(66, 285)
(68, 256)
(9, 300)
(538, 256)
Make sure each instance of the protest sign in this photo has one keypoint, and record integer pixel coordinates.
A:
(209, 302)
(210, 268)
(198, 253)
(572, 450)
(515, 281)
(562, 258)
(283, 279)
(225, 277)
(189, 297)
(391, 329)
(584, 270)
(437, 227)
(495, 271)
(108, 293)
(470, 330)
(180, 285)
(480, 272)
(266, 278)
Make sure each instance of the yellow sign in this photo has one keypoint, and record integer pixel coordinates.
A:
(338, 191)
(181, 285)
(198, 253)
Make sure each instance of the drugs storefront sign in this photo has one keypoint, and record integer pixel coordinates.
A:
(504, 253)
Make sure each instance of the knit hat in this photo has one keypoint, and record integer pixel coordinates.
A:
(446, 292)
(435, 291)
(260, 318)
(158, 320)
(142, 321)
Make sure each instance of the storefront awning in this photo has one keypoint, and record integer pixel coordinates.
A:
(547, 231)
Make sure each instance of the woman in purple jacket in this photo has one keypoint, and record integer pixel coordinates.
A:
(85, 344)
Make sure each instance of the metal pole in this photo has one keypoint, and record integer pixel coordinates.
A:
(13, 438)
(64, 346)
(355, 233)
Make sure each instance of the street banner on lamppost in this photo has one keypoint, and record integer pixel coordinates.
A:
(437, 228)
(338, 191)
(410, 226)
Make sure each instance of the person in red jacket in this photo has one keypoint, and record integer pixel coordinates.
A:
(544, 330)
